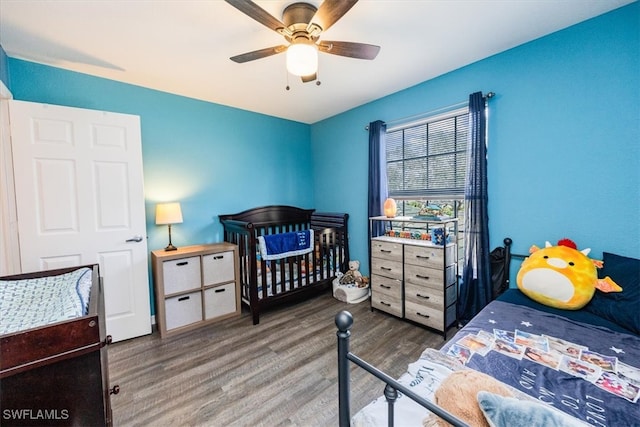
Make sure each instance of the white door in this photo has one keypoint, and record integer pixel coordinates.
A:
(80, 200)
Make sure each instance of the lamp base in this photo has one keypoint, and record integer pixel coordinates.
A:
(170, 247)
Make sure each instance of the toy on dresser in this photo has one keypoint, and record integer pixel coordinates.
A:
(351, 287)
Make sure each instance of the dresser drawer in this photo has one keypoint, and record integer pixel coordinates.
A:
(389, 304)
(386, 250)
(217, 268)
(436, 298)
(429, 256)
(219, 301)
(183, 310)
(386, 268)
(181, 275)
(430, 317)
(431, 277)
(386, 286)
(424, 296)
(423, 276)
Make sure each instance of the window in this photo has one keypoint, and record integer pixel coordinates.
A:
(429, 159)
(426, 167)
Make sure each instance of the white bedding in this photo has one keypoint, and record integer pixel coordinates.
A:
(29, 303)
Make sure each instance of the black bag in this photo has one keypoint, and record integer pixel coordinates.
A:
(499, 279)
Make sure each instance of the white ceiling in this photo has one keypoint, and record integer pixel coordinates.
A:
(183, 46)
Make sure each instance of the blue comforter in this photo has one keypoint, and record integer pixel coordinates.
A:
(590, 372)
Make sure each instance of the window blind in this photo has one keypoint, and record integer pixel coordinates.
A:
(429, 159)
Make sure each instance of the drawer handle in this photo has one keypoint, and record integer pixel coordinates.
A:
(385, 268)
(426, 316)
(419, 276)
(219, 290)
(422, 257)
(384, 303)
(218, 257)
(385, 251)
(180, 264)
(184, 298)
(385, 286)
(423, 296)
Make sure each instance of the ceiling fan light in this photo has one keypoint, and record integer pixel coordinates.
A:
(302, 59)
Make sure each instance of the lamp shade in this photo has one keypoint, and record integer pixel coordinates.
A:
(302, 59)
(168, 213)
(390, 208)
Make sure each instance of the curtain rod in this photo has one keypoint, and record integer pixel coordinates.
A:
(489, 95)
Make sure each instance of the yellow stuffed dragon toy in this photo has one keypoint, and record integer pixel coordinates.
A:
(562, 276)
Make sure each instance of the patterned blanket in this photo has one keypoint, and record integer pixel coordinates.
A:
(589, 372)
(29, 303)
(586, 371)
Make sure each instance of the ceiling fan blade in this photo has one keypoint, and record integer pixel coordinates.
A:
(258, 54)
(309, 78)
(329, 13)
(254, 11)
(350, 49)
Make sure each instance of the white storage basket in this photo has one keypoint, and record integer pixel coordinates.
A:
(350, 293)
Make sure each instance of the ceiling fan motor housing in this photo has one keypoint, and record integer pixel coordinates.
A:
(298, 13)
(296, 17)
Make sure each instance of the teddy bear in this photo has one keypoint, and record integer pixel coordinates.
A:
(352, 275)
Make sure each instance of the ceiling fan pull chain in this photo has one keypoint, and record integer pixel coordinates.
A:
(287, 74)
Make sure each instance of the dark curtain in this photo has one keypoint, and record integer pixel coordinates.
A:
(378, 190)
(476, 287)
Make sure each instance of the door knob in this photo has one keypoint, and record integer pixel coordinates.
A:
(136, 239)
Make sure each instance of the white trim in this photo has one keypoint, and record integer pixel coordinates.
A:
(9, 240)
(431, 117)
(5, 93)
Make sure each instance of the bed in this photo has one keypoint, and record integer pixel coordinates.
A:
(556, 367)
(53, 359)
(290, 276)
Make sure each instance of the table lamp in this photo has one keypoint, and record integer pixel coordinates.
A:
(167, 214)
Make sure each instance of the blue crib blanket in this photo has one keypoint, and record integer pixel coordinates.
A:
(282, 245)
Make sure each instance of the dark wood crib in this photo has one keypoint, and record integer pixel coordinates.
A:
(268, 283)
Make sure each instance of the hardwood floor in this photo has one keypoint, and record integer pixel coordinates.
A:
(281, 372)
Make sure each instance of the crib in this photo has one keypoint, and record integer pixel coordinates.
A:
(294, 278)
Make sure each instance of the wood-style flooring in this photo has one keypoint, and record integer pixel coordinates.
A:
(281, 372)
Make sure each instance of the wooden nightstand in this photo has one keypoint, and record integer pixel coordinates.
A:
(195, 286)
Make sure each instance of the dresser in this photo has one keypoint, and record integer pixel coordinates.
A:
(413, 277)
(195, 286)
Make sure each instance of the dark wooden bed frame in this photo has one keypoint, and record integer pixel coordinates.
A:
(57, 374)
(331, 242)
(344, 321)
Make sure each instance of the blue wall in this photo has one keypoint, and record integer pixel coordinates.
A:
(564, 150)
(4, 67)
(564, 153)
(201, 154)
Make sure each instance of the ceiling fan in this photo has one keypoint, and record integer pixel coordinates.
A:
(302, 25)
